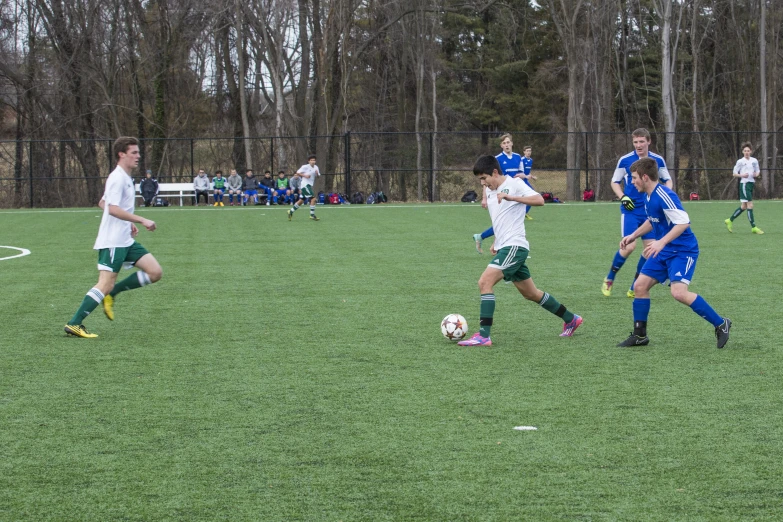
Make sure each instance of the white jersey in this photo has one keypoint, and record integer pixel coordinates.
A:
(748, 166)
(120, 191)
(307, 169)
(508, 217)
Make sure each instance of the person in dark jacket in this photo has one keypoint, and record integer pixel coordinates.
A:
(149, 189)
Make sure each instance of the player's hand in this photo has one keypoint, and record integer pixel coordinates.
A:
(624, 242)
(501, 197)
(484, 201)
(533, 176)
(492, 249)
(149, 225)
(627, 203)
(653, 249)
(134, 230)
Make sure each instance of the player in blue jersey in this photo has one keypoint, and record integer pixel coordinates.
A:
(511, 165)
(671, 255)
(527, 166)
(632, 205)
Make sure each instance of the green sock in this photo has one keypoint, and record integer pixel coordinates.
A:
(486, 313)
(89, 303)
(736, 214)
(750, 218)
(550, 304)
(131, 282)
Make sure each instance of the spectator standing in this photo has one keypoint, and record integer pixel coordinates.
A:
(234, 187)
(201, 186)
(250, 186)
(219, 186)
(149, 189)
(267, 184)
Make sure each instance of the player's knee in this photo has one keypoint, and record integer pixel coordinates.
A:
(680, 292)
(155, 274)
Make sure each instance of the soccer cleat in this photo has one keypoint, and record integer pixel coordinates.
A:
(478, 240)
(729, 224)
(108, 307)
(78, 330)
(630, 293)
(476, 340)
(314, 218)
(216, 204)
(722, 332)
(221, 204)
(634, 340)
(570, 328)
(528, 216)
(756, 230)
(290, 214)
(606, 288)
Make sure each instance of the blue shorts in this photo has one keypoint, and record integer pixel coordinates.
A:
(676, 267)
(281, 192)
(630, 221)
(251, 192)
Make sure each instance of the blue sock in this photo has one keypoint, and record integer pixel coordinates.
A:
(701, 307)
(488, 233)
(641, 309)
(617, 264)
(230, 198)
(527, 209)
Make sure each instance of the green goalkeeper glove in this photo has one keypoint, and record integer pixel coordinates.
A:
(627, 203)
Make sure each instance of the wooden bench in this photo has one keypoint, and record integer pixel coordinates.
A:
(186, 190)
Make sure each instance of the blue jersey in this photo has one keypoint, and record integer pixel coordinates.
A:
(664, 211)
(527, 164)
(623, 174)
(510, 165)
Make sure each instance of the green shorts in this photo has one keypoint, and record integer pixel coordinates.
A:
(307, 192)
(746, 191)
(511, 260)
(112, 259)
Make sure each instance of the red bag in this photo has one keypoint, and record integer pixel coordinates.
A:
(334, 199)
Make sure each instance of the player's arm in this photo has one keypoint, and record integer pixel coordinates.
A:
(617, 178)
(757, 173)
(643, 229)
(736, 171)
(654, 248)
(303, 174)
(124, 215)
(532, 198)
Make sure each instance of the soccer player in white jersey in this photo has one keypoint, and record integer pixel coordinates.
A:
(747, 170)
(506, 200)
(670, 256)
(115, 244)
(308, 172)
(632, 205)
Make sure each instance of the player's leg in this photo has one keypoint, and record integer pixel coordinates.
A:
(529, 291)
(627, 226)
(646, 240)
(106, 278)
(215, 198)
(478, 238)
(641, 310)
(749, 206)
(489, 278)
(312, 210)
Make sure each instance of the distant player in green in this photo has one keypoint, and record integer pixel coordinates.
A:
(747, 170)
(506, 199)
(115, 244)
(219, 186)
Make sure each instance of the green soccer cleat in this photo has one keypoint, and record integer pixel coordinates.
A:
(478, 240)
(606, 288)
(108, 307)
(78, 330)
(290, 214)
(756, 230)
(729, 224)
(630, 293)
(315, 218)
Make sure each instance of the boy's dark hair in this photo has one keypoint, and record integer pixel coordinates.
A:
(218, 172)
(527, 147)
(646, 166)
(249, 170)
(486, 165)
(267, 172)
(311, 156)
(748, 145)
(121, 144)
(280, 172)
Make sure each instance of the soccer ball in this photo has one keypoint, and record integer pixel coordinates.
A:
(454, 327)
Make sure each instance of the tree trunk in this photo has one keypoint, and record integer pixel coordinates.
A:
(240, 22)
(667, 64)
(763, 98)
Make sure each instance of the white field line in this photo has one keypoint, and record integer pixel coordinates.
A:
(24, 252)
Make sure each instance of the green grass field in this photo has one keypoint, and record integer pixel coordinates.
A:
(296, 371)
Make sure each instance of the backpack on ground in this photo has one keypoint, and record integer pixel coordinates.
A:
(161, 202)
(470, 197)
(358, 198)
(334, 198)
(322, 198)
(371, 199)
(380, 197)
(548, 197)
(343, 199)
(588, 195)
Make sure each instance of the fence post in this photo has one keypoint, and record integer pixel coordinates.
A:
(30, 168)
(347, 153)
(587, 163)
(192, 159)
(432, 167)
(272, 155)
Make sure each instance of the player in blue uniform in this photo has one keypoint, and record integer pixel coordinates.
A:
(632, 205)
(527, 166)
(671, 255)
(511, 165)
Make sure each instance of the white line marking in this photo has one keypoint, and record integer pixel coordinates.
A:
(525, 428)
(24, 252)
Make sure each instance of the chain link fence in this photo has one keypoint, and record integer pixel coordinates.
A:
(409, 166)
